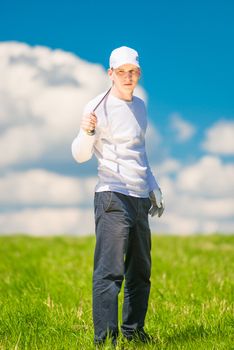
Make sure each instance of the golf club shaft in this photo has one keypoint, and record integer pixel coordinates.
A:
(102, 99)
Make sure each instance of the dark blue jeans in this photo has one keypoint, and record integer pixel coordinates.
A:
(123, 244)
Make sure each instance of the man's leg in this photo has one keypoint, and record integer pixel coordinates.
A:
(137, 272)
(112, 231)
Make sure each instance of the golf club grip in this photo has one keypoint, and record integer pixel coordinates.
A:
(101, 100)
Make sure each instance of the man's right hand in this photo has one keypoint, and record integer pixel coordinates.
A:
(89, 122)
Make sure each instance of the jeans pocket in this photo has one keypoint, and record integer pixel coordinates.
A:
(106, 200)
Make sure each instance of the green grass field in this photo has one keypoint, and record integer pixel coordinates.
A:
(45, 293)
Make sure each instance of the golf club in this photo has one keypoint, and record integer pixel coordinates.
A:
(92, 131)
(102, 99)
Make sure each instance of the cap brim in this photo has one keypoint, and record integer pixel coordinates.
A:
(121, 63)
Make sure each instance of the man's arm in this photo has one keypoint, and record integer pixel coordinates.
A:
(155, 193)
(152, 183)
(82, 145)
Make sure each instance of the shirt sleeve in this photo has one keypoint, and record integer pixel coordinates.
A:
(82, 145)
(151, 180)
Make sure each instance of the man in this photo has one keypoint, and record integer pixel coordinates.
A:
(126, 192)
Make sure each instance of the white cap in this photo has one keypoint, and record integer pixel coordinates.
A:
(123, 55)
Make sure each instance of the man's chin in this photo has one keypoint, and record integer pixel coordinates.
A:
(128, 87)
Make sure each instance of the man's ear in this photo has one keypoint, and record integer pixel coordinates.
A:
(110, 73)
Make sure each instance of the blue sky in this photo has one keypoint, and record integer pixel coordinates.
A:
(186, 48)
(186, 54)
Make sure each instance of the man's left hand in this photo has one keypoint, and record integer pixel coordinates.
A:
(157, 203)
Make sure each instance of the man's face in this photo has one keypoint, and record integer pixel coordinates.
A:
(125, 77)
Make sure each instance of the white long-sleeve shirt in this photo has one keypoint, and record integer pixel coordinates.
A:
(119, 145)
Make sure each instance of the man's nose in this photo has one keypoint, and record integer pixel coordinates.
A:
(129, 74)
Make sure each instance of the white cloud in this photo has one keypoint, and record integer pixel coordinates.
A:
(48, 221)
(173, 223)
(168, 166)
(66, 203)
(40, 187)
(59, 221)
(208, 177)
(152, 140)
(198, 197)
(184, 129)
(22, 142)
(200, 208)
(42, 95)
(219, 138)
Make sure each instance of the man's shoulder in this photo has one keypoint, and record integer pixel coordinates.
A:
(139, 101)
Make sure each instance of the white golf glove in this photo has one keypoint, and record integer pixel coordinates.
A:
(157, 203)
